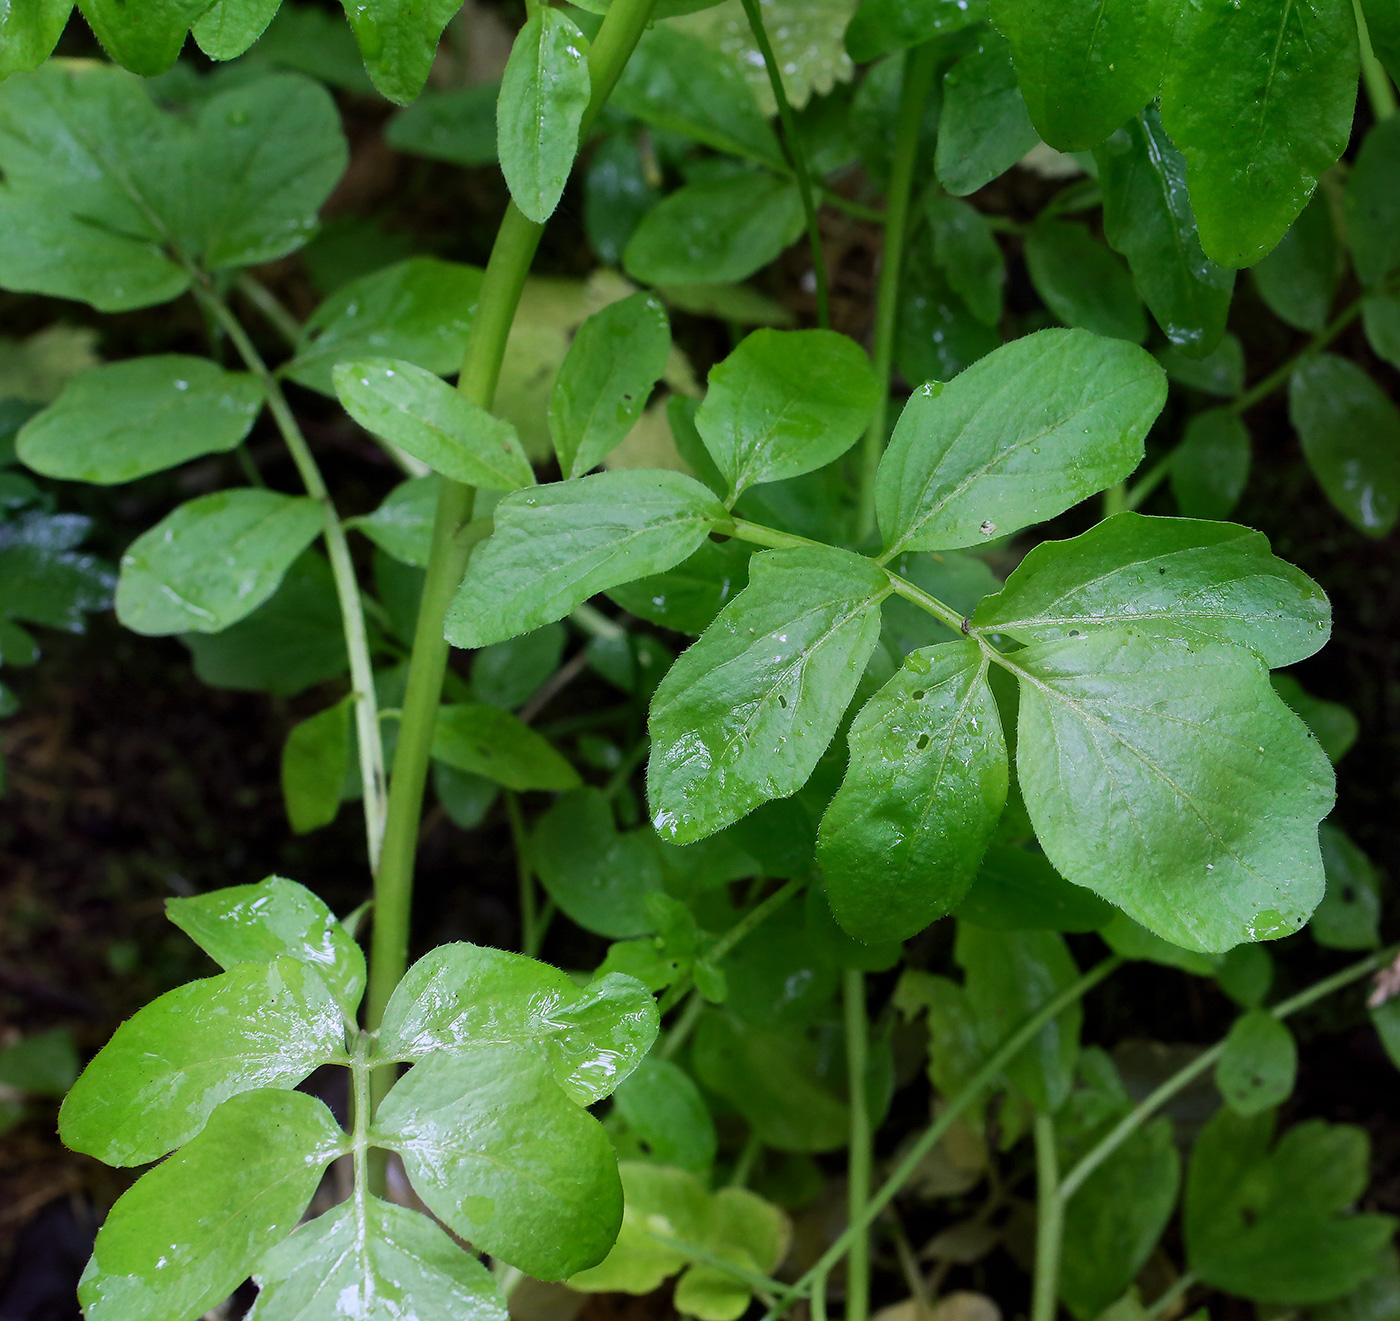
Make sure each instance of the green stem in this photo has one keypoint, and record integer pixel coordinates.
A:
(976, 1085)
(360, 1117)
(347, 587)
(501, 287)
(797, 157)
(1378, 88)
(1147, 483)
(1115, 499)
(683, 1026)
(277, 316)
(1050, 1221)
(919, 65)
(817, 1298)
(1183, 1077)
(520, 840)
(743, 1166)
(860, 1156)
(1172, 1295)
(1279, 376)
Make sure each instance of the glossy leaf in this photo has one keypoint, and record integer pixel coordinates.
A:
(1351, 439)
(715, 231)
(1255, 149)
(484, 740)
(1259, 1066)
(1163, 578)
(1383, 26)
(402, 526)
(779, 974)
(1082, 282)
(1148, 218)
(1085, 70)
(45, 579)
(123, 421)
(1298, 279)
(555, 546)
(544, 92)
(785, 402)
(505, 1159)
(1349, 915)
(420, 309)
(688, 597)
(28, 34)
(381, 1266)
(213, 561)
(258, 923)
(315, 760)
(1372, 202)
(1210, 468)
(984, 129)
(617, 357)
(1021, 436)
(882, 26)
(744, 715)
(1269, 1225)
(460, 996)
(901, 841)
(425, 417)
(398, 40)
(663, 1107)
(967, 251)
(154, 1084)
(185, 1235)
(226, 29)
(1380, 314)
(457, 126)
(1018, 890)
(1143, 757)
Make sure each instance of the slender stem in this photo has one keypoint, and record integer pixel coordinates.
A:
(818, 1297)
(1050, 1221)
(1172, 1295)
(976, 1085)
(756, 1280)
(1279, 376)
(278, 317)
(501, 287)
(1147, 483)
(520, 840)
(760, 912)
(347, 587)
(1373, 75)
(361, 1108)
(860, 1156)
(796, 154)
(1115, 499)
(683, 1026)
(858, 210)
(1184, 1076)
(743, 1166)
(945, 614)
(919, 64)
(771, 537)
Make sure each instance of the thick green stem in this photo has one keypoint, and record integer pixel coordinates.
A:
(859, 1157)
(796, 154)
(919, 65)
(1050, 1222)
(1373, 75)
(347, 587)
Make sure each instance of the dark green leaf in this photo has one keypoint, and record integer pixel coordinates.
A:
(1164, 578)
(317, 42)
(1148, 218)
(555, 546)
(1260, 102)
(1017, 890)
(1298, 279)
(398, 39)
(402, 526)
(1380, 314)
(688, 597)
(315, 759)
(967, 252)
(881, 26)
(744, 715)
(466, 798)
(1372, 203)
(123, 421)
(985, 129)
(1021, 436)
(188, 1233)
(1246, 974)
(1269, 1225)
(901, 841)
(1260, 1064)
(45, 580)
(779, 975)
(1350, 912)
(1351, 439)
(458, 127)
(958, 580)
(665, 1110)
(618, 190)
(213, 561)
(1332, 724)
(1221, 783)
(1130, 941)
(44, 1064)
(153, 1085)
(1210, 468)
(785, 402)
(1219, 373)
(936, 334)
(487, 741)
(510, 673)
(1082, 282)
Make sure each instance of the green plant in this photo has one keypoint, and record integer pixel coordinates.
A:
(870, 716)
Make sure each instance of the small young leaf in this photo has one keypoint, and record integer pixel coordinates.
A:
(715, 231)
(1298, 279)
(153, 1085)
(1018, 890)
(616, 358)
(187, 1233)
(665, 1109)
(1332, 724)
(1086, 70)
(505, 1159)
(688, 597)
(967, 252)
(1223, 784)
(226, 30)
(257, 923)
(1252, 161)
(1351, 439)
(1030, 430)
(743, 1230)
(1148, 218)
(901, 841)
(424, 416)
(881, 26)
(1164, 578)
(984, 129)
(29, 32)
(1260, 1064)
(484, 740)
(1210, 467)
(508, 674)
(1220, 373)
(315, 759)
(555, 546)
(119, 422)
(1082, 282)
(745, 714)
(397, 1259)
(402, 526)
(783, 403)
(420, 309)
(1350, 912)
(213, 561)
(398, 40)
(1372, 202)
(1271, 1225)
(544, 92)
(458, 126)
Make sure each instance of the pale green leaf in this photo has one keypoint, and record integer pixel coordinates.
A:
(486, 741)
(402, 526)
(1260, 1064)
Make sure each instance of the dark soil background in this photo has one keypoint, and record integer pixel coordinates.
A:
(129, 781)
